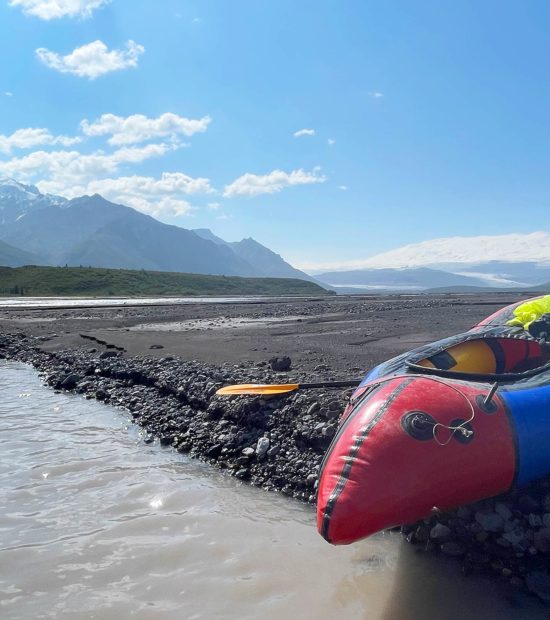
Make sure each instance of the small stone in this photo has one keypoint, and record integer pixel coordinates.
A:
(502, 542)
(311, 480)
(280, 364)
(440, 531)
(214, 451)
(452, 549)
(334, 405)
(421, 534)
(331, 414)
(156, 346)
(248, 452)
(273, 451)
(490, 521)
(534, 520)
(527, 504)
(464, 512)
(515, 537)
(70, 381)
(546, 519)
(313, 408)
(482, 537)
(503, 511)
(262, 447)
(242, 474)
(106, 354)
(539, 583)
(541, 540)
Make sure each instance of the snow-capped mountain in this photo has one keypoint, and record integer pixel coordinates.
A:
(438, 253)
(502, 261)
(43, 229)
(17, 199)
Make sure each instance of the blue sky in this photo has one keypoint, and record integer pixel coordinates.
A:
(429, 118)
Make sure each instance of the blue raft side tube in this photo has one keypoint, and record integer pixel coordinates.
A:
(530, 413)
(372, 374)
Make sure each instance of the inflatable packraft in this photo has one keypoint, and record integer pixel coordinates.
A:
(446, 424)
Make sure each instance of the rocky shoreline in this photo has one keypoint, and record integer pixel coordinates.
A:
(278, 444)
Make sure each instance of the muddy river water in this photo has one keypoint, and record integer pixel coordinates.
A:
(94, 523)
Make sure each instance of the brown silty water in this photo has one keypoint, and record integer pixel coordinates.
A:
(96, 524)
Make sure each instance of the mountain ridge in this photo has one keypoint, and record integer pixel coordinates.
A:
(92, 231)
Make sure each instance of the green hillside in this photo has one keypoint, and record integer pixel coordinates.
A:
(14, 257)
(90, 281)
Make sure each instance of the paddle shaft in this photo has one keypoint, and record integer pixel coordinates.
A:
(274, 389)
(329, 384)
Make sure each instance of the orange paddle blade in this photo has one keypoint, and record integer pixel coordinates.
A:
(255, 388)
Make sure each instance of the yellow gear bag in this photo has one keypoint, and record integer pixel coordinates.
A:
(530, 311)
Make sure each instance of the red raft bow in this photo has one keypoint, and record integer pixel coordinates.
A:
(428, 429)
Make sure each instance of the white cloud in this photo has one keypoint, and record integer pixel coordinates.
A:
(254, 185)
(344, 188)
(170, 183)
(31, 137)
(93, 59)
(165, 206)
(376, 95)
(53, 9)
(8, 94)
(214, 206)
(138, 128)
(331, 141)
(467, 251)
(304, 132)
(155, 196)
(66, 172)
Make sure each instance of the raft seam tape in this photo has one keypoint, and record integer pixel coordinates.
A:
(350, 458)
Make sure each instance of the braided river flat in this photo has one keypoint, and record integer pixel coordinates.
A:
(94, 523)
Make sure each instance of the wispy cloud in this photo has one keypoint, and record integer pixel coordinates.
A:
(54, 9)
(92, 60)
(344, 188)
(67, 172)
(254, 185)
(376, 94)
(165, 195)
(8, 94)
(214, 206)
(304, 132)
(138, 128)
(331, 142)
(31, 137)
(72, 173)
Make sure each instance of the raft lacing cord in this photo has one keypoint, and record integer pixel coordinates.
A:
(459, 428)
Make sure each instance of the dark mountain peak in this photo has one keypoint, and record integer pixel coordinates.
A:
(206, 233)
(93, 200)
(266, 261)
(91, 230)
(9, 185)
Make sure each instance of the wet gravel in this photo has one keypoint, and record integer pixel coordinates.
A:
(277, 444)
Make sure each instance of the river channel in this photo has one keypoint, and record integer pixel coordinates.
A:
(94, 523)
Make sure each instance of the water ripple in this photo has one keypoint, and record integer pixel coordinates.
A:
(97, 525)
